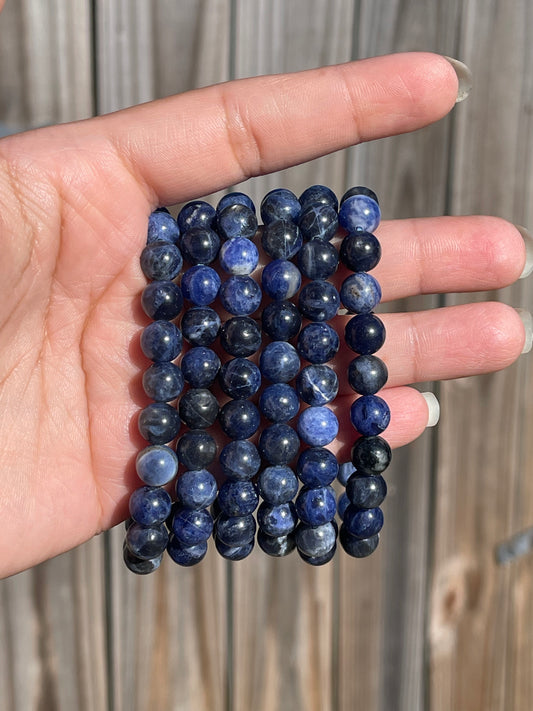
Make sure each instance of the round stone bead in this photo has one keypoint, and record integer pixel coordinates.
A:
(366, 492)
(240, 460)
(345, 472)
(359, 212)
(237, 498)
(186, 556)
(279, 402)
(360, 251)
(159, 423)
(162, 227)
(200, 245)
(162, 300)
(318, 195)
(146, 542)
(196, 449)
(279, 444)
(360, 190)
(317, 426)
(200, 284)
(239, 419)
(371, 455)
(365, 333)
(196, 489)
(342, 504)
(192, 526)
(317, 467)
(200, 366)
(317, 384)
(161, 261)
(279, 520)
(161, 341)
(235, 198)
(240, 336)
(276, 546)
(240, 378)
(198, 408)
(277, 484)
(367, 374)
(156, 465)
(163, 382)
(317, 560)
(150, 505)
(281, 320)
(319, 300)
(318, 222)
(316, 506)
(138, 565)
(279, 362)
(200, 325)
(315, 540)
(363, 523)
(370, 415)
(236, 220)
(357, 547)
(234, 553)
(318, 342)
(238, 256)
(281, 279)
(196, 213)
(280, 204)
(318, 260)
(240, 295)
(281, 239)
(235, 530)
(360, 293)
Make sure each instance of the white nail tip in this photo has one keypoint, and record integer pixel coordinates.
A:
(528, 241)
(464, 76)
(433, 408)
(527, 320)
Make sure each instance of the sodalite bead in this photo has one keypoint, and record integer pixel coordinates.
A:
(234, 553)
(281, 239)
(186, 556)
(240, 295)
(367, 374)
(371, 455)
(360, 190)
(235, 198)
(278, 520)
(318, 260)
(365, 333)
(156, 465)
(161, 261)
(236, 221)
(200, 366)
(138, 565)
(281, 279)
(360, 251)
(192, 526)
(318, 195)
(240, 378)
(279, 402)
(161, 341)
(281, 320)
(200, 284)
(319, 559)
(280, 204)
(237, 498)
(317, 426)
(198, 408)
(163, 382)
(162, 300)
(278, 546)
(359, 212)
(240, 460)
(196, 489)
(317, 505)
(200, 325)
(370, 415)
(150, 505)
(366, 492)
(317, 384)
(279, 362)
(146, 542)
(200, 245)
(196, 449)
(196, 213)
(357, 547)
(238, 256)
(277, 484)
(162, 227)
(363, 523)
(342, 504)
(318, 222)
(315, 540)
(239, 419)
(279, 444)
(235, 530)
(345, 472)
(360, 293)
(319, 300)
(159, 423)
(317, 467)
(318, 342)
(240, 336)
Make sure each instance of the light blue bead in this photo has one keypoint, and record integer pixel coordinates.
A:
(156, 465)
(359, 212)
(238, 256)
(281, 279)
(317, 426)
(360, 293)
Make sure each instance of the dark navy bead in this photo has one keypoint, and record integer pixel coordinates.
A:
(360, 251)
(238, 256)
(279, 520)
(318, 222)
(239, 419)
(371, 455)
(240, 336)
(138, 565)
(357, 547)
(319, 300)
(277, 485)
(279, 444)
(365, 333)
(240, 378)
(146, 542)
(196, 489)
(200, 284)
(162, 300)
(316, 506)
(192, 526)
(360, 293)
(279, 402)
(317, 426)
(281, 239)
(278, 546)
(240, 460)
(359, 190)
(200, 366)
(342, 504)
(200, 325)
(317, 467)
(234, 553)
(128, 522)
(162, 227)
(281, 320)
(186, 555)
(237, 498)
(279, 362)
(367, 374)
(318, 195)
(235, 530)
(317, 384)
(162, 209)
(161, 341)
(280, 204)
(161, 261)
(318, 342)
(281, 279)
(159, 423)
(163, 382)
(240, 295)
(200, 245)
(345, 472)
(317, 560)
(315, 540)
(370, 415)
(235, 198)
(363, 523)
(150, 505)
(366, 492)
(156, 465)
(196, 213)
(196, 449)
(359, 212)
(318, 260)
(236, 221)
(198, 408)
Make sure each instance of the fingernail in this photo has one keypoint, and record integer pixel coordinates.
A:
(464, 75)
(527, 320)
(528, 240)
(433, 408)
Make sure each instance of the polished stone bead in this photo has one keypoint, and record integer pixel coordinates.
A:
(192, 526)
(280, 204)
(238, 256)
(279, 444)
(279, 402)
(318, 300)
(240, 460)
(237, 498)
(235, 198)
(317, 467)
(317, 560)
(128, 522)
(150, 505)
(316, 541)
(240, 378)
(196, 449)
(345, 472)
(161, 261)
(234, 553)
(363, 523)
(162, 227)
(317, 426)
(235, 530)
(278, 520)
(200, 284)
(317, 384)
(200, 366)
(370, 415)
(276, 546)
(371, 455)
(159, 423)
(161, 341)
(277, 484)
(360, 293)
(198, 408)
(146, 542)
(359, 212)
(236, 220)
(279, 362)
(200, 245)
(367, 374)
(318, 260)
(163, 382)
(365, 333)
(138, 565)
(318, 342)
(316, 505)
(162, 300)
(360, 251)
(240, 295)
(240, 336)
(318, 222)
(200, 325)
(281, 239)
(281, 279)
(196, 489)
(366, 492)
(359, 190)
(156, 465)
(342, 504)
(318, 195)
(239, 419)
(196, 213)
(186, 556)
(281, 320)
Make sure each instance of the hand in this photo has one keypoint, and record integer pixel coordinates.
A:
(74, 204)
